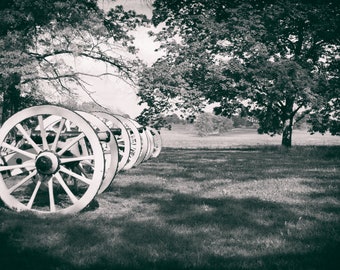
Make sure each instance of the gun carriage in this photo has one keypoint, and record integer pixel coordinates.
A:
(54, 160)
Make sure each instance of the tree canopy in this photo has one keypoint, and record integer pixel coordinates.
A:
(40, 40)
(268, 59)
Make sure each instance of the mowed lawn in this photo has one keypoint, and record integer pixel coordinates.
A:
(185, 136)
(247, 206)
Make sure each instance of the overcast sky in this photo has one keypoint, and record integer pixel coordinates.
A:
(112, 92)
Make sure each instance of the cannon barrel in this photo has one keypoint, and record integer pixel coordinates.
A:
(116, 131)
(103, 136)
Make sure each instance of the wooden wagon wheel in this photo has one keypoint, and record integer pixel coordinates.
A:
(47, 171)
(108, 143)
(135, 141)
(122, 136)
(110, 148)
(157, 139)
(151, 143)
(144, 142)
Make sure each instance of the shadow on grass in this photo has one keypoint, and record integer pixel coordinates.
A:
(153, 219)
(245, 164)
(14, 257)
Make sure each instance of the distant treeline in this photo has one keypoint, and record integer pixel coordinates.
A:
(208, 123)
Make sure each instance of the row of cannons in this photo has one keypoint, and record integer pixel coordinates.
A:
(54, 160)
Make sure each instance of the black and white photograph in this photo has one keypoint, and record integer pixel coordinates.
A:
(169, 135)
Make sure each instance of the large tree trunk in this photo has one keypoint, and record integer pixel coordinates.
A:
(288, 120)
(287, 133)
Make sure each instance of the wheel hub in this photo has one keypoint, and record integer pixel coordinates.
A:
(47, 163)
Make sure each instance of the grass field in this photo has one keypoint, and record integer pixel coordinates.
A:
(184, 136)
(242, 206)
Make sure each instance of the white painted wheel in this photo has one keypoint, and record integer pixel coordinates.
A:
(122, 136)
(151, 143)
(135, 141)
(144, 142)
(49, 171)
(107, 140)
(109, 146)
(157, 139)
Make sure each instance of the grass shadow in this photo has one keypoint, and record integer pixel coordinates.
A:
(267, 208)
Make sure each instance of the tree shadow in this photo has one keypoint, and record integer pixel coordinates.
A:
(14, 257)
(246, 164)
(167, 228)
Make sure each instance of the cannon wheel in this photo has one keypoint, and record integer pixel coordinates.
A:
(108, 142)
(110, 149)
(151, 143)
(42, 173)
(157, 139)
(144, 142)
(135, 141)
(123, 139)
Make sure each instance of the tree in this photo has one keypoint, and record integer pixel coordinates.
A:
(41, 40)
(264, 58)
(243, 122)
(327, 115)
(208, 123)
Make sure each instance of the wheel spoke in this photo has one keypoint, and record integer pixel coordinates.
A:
(43, 132)
(120, 140)
(61, 181)
(29, 163)
(83, 146)
(75, 175)
(58, 132)
(51, 195)
(70, 143)
(34, 194)
(82, 171)
(28, 138)
(23, 181)
(73, 159)
(18, 150)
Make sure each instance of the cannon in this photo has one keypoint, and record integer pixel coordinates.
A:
(54, 160)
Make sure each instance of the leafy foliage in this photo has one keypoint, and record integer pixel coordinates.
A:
(208, 123)
(41, 40)
(327, 115)
(263, 58)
